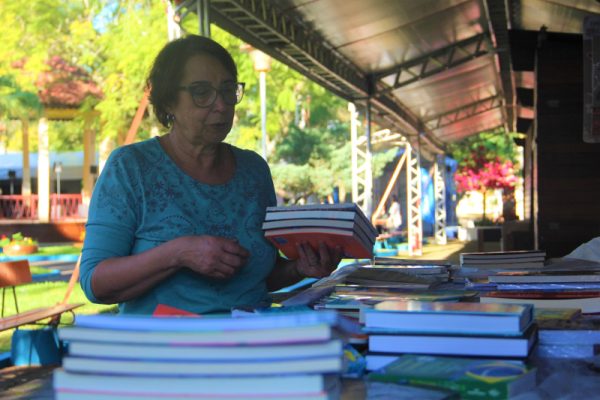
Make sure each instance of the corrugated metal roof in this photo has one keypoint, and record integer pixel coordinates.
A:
(438, 69)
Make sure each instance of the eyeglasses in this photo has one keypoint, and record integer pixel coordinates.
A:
(204, 94)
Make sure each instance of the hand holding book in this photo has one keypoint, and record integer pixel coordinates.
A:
(315, 264)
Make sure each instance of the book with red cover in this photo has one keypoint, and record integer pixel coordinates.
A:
(162, 310)
(287, 239)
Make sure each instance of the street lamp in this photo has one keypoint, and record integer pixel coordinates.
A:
(262, 65)
(57, 171)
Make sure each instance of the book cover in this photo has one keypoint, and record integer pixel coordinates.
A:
(553, 300)
(214, 322)
(546, 286)
(387, 276)
(375, 361)
(320, 211)
(352, 245)
(386, 390)
(274, 336)
(450, 317)
(195, 368)
(171, 352)
(455, 345)
(472, 378)
(543, 277)
(514, 254)
(405, 294)
(414, 269)
(359, 227)
(408, 261)
(110, 395)
(275, 385)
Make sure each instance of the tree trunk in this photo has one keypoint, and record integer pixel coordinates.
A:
(484, 204)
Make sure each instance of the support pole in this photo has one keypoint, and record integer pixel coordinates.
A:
(203, 12)
(413, 191)
(368, 196)
(380, 207)
(43, 183)
(439, 188)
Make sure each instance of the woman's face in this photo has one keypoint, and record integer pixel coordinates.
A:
(203, 125)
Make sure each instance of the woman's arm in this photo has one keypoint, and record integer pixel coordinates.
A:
(119, 279)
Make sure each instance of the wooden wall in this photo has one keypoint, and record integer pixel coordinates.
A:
(567, 212)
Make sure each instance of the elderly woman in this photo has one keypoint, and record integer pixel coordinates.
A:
(176, 220)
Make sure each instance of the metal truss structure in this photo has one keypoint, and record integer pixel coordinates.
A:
(465, 112)
(437, 61)
(362, 174)
(413, 205)
(439, 190)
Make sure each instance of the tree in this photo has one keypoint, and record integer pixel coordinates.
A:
(485, 162)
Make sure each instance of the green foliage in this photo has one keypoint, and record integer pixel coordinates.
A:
(124, 54)
(16, 238)
(491, 145)
(308, 133)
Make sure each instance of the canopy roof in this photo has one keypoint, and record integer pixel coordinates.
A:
(439, 70)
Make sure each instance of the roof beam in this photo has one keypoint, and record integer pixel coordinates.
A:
(499, 24)
(264, 26)
(437, 61)
(461, 113)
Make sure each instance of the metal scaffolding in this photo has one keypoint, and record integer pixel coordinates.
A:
(439, 190)
(362, 175)
(413, 194)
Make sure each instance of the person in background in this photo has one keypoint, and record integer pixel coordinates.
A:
(394, 221)
(176, 220)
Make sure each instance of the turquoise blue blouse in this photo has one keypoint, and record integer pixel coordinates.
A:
(142, 199)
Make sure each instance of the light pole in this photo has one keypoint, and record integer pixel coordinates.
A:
(57, 171)
(262, 64)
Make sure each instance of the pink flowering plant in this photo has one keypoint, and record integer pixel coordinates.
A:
(485, 162)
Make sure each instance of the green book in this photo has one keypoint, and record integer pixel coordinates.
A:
(471, 378)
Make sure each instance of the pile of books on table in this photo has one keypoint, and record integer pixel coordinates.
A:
(284, 355)
(445, 328)
(563, 285)
(343, 225)
(362, 286)
(444, 345)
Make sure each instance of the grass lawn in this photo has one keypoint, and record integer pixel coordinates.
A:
(41, 294)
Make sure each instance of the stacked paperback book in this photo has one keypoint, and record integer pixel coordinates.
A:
(286, 355)
(517, 259)
(446, 328)
(343, 225)
(562, 285)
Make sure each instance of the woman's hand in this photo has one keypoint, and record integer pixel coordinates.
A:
(317, 265)
(211, 256)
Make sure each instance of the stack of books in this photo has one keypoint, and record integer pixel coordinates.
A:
(283, 355)
(343, 225)
(443, 328)
(518, 259)
(577, 338)
(550, 287)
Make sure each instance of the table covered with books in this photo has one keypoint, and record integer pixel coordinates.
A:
(392, 329)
